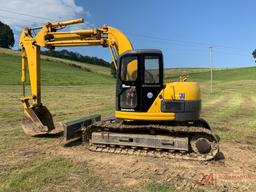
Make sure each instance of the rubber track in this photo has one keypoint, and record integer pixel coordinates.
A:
(127, 150)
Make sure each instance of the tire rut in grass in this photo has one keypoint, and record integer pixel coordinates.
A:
(234, 124)
(211, 108)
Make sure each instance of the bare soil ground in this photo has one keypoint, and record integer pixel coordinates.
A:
(235, 172)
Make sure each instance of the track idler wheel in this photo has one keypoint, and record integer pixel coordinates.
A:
(204, 145)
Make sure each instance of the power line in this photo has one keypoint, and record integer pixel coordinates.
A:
(191, 48)
(134, 34)
(166, 39)
(4, 16)
(185, 42)
(24, 14)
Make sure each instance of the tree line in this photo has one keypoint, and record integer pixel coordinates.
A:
(65, 54)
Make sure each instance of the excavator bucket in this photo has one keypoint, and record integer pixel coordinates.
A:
(38, 121)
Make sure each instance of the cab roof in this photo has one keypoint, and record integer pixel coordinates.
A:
(143, 51)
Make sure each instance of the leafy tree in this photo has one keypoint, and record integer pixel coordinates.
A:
(6, 36)
(254, 54)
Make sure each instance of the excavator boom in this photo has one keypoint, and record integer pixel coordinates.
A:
(37, 118)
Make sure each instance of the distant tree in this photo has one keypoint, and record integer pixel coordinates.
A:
(254, 54)
(6, 36)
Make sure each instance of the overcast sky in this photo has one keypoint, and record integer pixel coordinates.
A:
(183, 30)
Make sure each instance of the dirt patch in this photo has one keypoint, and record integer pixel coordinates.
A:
(237, 172)
(251, 140)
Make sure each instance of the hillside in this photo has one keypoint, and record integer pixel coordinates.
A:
(203, 74)
(85, 66)
(58, 68)
(53, 73)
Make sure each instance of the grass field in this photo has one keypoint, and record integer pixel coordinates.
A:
(84, 66)
(71, 92)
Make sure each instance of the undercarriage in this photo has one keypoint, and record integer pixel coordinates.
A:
(186, 140)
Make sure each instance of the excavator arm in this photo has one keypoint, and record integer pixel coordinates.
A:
(37, 118)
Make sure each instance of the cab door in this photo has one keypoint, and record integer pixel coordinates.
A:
(139, 81)
(128, 83)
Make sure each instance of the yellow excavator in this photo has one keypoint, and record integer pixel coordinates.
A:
(151, 118)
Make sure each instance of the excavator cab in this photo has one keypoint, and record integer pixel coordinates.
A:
(139, 79)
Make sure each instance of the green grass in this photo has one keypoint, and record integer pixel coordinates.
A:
(52, 175)
(160, 187)
(35, 174)
(52, 73)
(84, 66)
(202, 74)
(237, 74)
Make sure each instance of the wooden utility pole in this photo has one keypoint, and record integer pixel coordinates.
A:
(211, 65)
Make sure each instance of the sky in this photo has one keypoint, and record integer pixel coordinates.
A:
(182, 29)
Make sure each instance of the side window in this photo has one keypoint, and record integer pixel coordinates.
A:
(129, 68)
(151, 73)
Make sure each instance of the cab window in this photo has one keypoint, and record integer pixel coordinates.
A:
(151, 72)
(129, 68)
